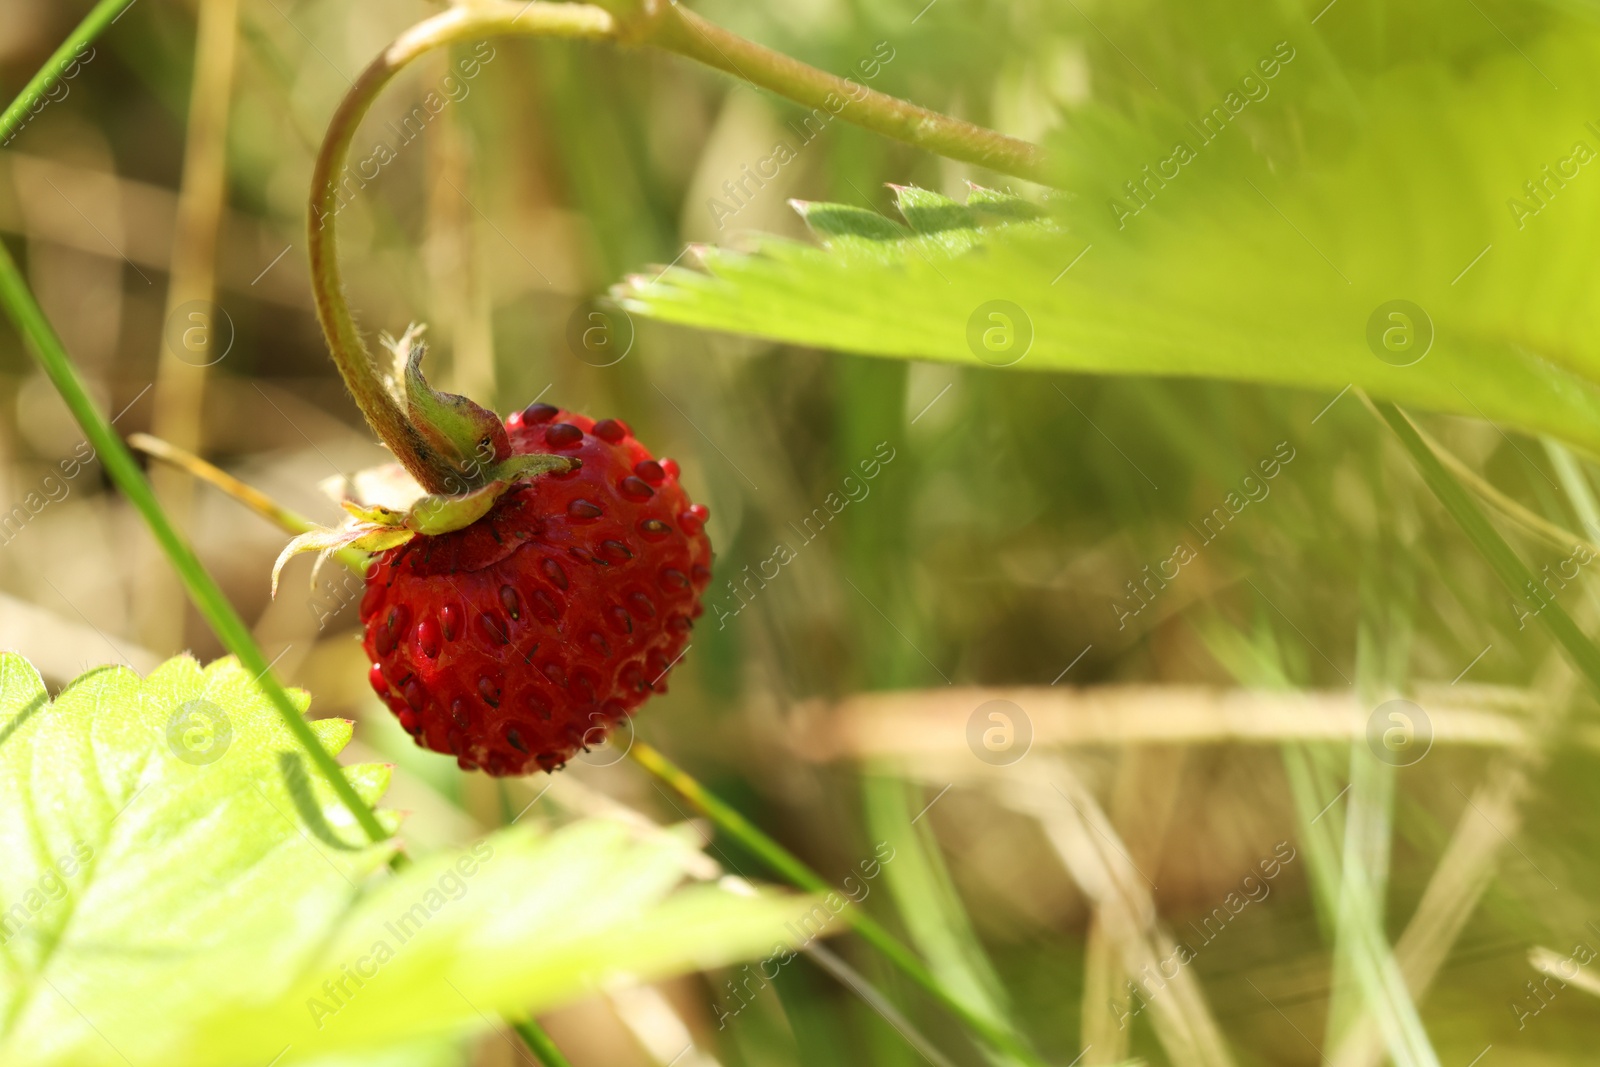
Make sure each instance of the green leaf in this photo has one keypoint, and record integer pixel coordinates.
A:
(1267, 257)
(426, 1053)
(178, 888)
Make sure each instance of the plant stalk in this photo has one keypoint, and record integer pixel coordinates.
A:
(533, 1035)
(677, 29)
(349, 351)
(668, 26)
(178, 401)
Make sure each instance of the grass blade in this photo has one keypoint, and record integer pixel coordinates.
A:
(1098, 860)
(927, 902)
(94, 23)
(42, 342)
(1494, 549)
(1346, 903)
(45, 346)
(781, 860)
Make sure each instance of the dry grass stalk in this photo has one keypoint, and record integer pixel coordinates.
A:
(180, 387)
(1141, 806)
(1493, 816)
(1099, 862)
(934, 722)
(1561, 968)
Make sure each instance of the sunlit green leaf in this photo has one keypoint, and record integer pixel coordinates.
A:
(1271, 249)
(178, 889)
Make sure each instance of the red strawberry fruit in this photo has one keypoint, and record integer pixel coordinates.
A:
(517, 640)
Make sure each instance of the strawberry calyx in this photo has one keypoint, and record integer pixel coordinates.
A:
(468, 453)
(465, 439)
(466, 448)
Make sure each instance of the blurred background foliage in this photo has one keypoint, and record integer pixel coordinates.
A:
(994, 549)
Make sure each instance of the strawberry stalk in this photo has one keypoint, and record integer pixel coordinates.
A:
(445, 442)
(675, 28)
(448, 443)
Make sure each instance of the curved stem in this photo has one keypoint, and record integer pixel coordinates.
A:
(666, 25)
(371, 393)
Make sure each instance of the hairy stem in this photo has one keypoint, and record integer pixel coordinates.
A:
(371, 393)
(677, 29)
(665, 25)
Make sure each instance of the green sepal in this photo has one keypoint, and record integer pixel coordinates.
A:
(377, 527)
(363, 536)
(440, 513)
(466, 435)
(374, 513)
(515, 468)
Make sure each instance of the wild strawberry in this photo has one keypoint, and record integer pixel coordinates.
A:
(517, 640)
